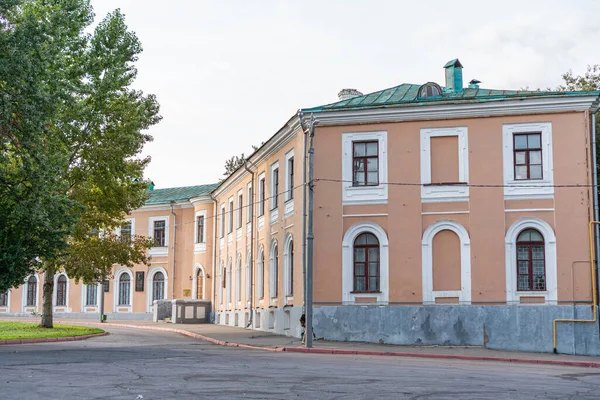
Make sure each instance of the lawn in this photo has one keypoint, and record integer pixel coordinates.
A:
(31, 330)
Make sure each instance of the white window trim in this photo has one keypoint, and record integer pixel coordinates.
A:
(150, 288)
(429, 295)
(239, 215)
(441, 193)
(287, 288)
(230, 221)
(273, 202)
(249, 205)
(200, 247)
(364, 194)
(260, 273)
(228, 283)
(261, 218)
(247, 280)
(550, 295)
(348, 263)
(6, 308)
(198, 267)
(84, 307)
(55, 294)
(116, 305)
(24, 307)
(289, 201)
(238, 279)
(132, 221)
(220, 281)
(273, 270)
(222, 227)
(531, 188)
(159, 251)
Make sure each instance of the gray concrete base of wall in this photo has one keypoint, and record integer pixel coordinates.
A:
(282, 321)
(91, 316)
(190, 311)
(515, 327)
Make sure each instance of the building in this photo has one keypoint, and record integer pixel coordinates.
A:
(446, 215)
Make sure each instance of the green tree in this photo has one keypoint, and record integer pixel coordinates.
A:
(235, 162)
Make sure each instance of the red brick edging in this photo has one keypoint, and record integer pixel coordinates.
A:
(588, 364)
(44, 340)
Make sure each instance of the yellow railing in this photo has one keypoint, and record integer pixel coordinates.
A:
(592, 266)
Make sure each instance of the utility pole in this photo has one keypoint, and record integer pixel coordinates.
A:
(308, 332)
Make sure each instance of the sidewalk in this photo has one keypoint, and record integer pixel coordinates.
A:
(239, 337)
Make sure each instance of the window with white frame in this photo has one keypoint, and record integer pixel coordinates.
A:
(124, 290)
(289, 175)
(261, 195)
(228, 281)
(31, 291)
(199, 228)
(288, 265)
(91, 295)
(247, 277)
(222, 219)
(4, 299)
(230, 216)
(527, 159)
(127, 231)
(158, 286)
(61, 290)
(274, 185)
(273, 270)
(158, 229)
(444, 164)
(364, 167)
(260, 273)
(249, 200)
(238, 279)
(240, 209)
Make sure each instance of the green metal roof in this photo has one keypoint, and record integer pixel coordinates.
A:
(165, 196)
(407, 95)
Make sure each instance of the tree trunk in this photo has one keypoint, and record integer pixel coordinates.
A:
(47, 299)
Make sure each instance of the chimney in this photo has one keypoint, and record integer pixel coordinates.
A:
(346, 94)
(474, 84)
(454, 81)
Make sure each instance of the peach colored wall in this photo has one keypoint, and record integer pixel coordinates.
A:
(446, 261)
(484, 219)
(444, 159)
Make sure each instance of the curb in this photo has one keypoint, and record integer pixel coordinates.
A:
(587, 364)
(46, 340)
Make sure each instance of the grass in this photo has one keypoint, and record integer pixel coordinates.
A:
(31, 330)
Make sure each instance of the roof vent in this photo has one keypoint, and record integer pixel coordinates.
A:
(454, 80)
(346, 94)
(150, 185)
(474, 84)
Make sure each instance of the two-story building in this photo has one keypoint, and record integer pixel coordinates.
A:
(446, 215)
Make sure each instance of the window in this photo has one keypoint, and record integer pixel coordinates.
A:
(32, 291)
(290, 175)
(240, 210)
(274, 188)
(247, 278)
(158, 286)
(222, 217)
(274, 270)
(249, 208)
(124, 289)
(126, 232)
(230, 216)
(366, 263)
(91, 295)
(429, 90)
(261, 197)
(238, 279)
(288, 266)
(228, 281)
(4, 299)
(531, 265)
(527, 155)
(260, 274)
(365, 161)
(61, 291)
(159, 233)
(200, 229)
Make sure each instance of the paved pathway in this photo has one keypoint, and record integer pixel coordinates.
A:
(137, 364)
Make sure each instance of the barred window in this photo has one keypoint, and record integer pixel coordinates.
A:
(124, 290)
(61, 291)
(91, 295)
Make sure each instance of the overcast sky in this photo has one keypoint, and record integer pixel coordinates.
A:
(228, 74)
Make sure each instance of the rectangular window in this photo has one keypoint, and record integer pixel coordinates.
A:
(527, 149)
(249, 208)
(91, 295)
(3, 299)
(290, 169)
(159, 233)
(444, 159)
(200, 229)
(274, 188)
(222, 218)
(240, 210)
(365, 163)
(230, 216)
(126, 232)
(261, 197)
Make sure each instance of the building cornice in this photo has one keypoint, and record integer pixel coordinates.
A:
(454, 111)
(164, 206)
(206, 199)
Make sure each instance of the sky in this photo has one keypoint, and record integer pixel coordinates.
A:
(229, 74)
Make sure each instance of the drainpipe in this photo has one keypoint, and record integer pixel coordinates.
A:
(214, 256)
(174, 250)
(251, 261)
(595, 197)
(304, 215)
(308, 332)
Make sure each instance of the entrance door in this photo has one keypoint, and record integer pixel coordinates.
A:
(200, 283)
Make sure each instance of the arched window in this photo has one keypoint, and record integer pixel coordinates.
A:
(228, 281)
(288, 266)
(158, 286)
(430, 89)
(291, 269)
(247, 277)
(366, 263)
(238, 279)
(531, 263)
(124, 289)
(260, 273)
(32, 291)
(273, 270)
(61, 291)
(91, 295)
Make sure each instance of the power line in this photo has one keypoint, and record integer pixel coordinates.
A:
(460, 184)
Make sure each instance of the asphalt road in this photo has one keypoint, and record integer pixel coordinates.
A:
(135, 364)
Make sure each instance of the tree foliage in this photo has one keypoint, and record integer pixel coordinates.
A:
(235, 162)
